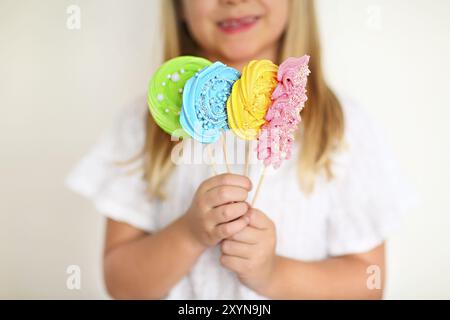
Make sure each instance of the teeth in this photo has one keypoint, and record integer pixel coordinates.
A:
(233, 23)
(248, 19)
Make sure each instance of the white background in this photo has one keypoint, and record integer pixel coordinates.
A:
(60, 88)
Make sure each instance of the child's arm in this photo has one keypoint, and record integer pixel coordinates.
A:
(343, 277)
(251, 254)
(136, 264)
(142, 265)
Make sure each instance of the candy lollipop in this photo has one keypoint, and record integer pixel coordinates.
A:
(204, 114)
(277, 135)
(166, 88)
(251, 97)
(249, 101)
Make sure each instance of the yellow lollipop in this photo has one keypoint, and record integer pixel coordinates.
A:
(251, 97)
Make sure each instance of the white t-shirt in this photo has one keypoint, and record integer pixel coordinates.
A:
(351, 214)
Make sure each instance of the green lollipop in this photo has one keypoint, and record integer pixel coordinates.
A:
(165, 91)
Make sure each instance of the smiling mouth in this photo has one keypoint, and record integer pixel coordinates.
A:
(236, 25)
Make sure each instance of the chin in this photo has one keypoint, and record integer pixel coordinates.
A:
(239, 52)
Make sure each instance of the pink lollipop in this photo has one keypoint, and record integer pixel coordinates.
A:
(283, 116)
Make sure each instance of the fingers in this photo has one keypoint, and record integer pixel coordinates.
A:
(225, 194)
(225, 230)
(259, 220)
(226, 179)
(248, 235)
(229, 212)
(237, 249)
(235, 264)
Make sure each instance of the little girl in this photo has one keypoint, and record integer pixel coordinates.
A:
(320, 222)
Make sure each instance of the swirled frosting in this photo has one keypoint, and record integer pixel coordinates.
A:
(165, 91)
(289, 97)
(251, 97)
(205, 95)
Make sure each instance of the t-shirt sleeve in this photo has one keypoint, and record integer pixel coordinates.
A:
(371, 195)
(116, 188)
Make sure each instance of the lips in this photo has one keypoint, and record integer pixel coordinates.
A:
(235, 25)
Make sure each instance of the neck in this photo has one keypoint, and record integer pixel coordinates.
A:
(270, 53)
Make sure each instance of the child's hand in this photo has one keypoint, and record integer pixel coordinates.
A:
(218, 208)
(251, 252)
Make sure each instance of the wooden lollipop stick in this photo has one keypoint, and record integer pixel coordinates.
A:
(248, 146)
(211, 159)
(258, 187)
(223, 138)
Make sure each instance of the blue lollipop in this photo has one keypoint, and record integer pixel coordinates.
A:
(204, 113)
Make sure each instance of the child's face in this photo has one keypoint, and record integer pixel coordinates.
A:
(236, 30)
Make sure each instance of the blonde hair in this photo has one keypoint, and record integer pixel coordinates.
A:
(322, 124)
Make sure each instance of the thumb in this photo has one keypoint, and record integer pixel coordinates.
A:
(258, 219)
